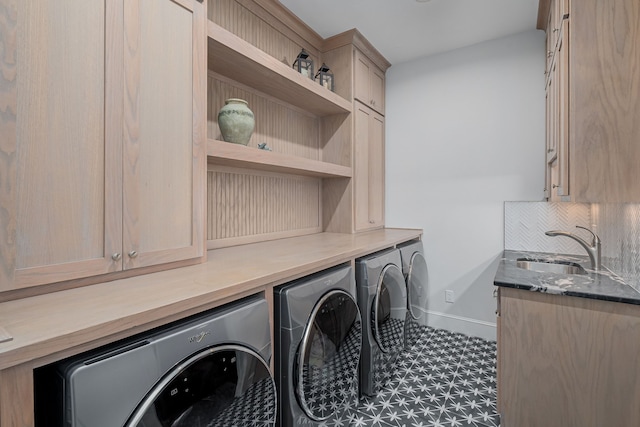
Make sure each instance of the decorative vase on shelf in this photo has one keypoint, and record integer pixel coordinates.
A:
(236, 121)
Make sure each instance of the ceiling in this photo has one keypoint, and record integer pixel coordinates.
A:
(403, 30)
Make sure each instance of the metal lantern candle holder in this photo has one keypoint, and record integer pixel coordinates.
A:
(325, 77)
(304, 64)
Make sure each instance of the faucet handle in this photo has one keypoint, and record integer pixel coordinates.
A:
(596, 239)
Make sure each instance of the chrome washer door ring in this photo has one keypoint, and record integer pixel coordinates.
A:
(326, 371)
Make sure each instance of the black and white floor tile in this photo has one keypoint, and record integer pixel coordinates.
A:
(443, 379)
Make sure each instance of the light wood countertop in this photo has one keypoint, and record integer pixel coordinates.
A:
(49, 327)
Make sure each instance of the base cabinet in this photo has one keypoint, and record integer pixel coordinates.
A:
(567, 361)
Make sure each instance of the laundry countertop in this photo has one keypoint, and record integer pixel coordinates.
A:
(602, 285)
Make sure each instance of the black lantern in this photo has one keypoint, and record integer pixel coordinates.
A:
(325, 77)
(304, 64)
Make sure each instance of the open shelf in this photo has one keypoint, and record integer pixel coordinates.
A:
(235, 58)
(228, 154)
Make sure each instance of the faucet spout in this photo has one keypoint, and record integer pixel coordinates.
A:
(593, 248)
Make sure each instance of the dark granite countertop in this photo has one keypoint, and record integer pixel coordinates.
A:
(602, 285)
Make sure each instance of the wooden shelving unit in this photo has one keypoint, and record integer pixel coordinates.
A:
(303, 185)
(231, 56)
(225, 153)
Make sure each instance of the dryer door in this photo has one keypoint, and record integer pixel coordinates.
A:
(222, 386)
(326, 371)
(389, 309)
(417, 285)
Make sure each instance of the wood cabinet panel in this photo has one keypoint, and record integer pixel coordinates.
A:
(605, 107)
(376, 170)
(558, 119)
(368, 168)
(376, 83)
(61, 153)
(361, 166)
(369, 82)
(16, 396)
(597, 48)
(162, 156)
(567, 361)
(63, 137)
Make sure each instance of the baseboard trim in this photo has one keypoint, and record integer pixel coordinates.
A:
(465, 325)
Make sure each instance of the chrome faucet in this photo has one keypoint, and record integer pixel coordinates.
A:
(593, 248)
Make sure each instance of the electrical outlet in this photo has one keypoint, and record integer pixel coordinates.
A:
(449, 296)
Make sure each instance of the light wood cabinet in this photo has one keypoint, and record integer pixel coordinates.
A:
(164, 131)
(102, 152)
(368, 168)
(557, 118)
(369, 82)
(567, 361)
(364, 83)
(594, 109)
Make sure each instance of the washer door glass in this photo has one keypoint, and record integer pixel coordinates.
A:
(326, 371)
(417, 285)
(389, 309)
(222, 386)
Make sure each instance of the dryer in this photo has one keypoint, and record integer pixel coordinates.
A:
(318, 336)
(414, 268)
(208, 370)
(382, 298)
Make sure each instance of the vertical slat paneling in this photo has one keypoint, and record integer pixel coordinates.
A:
(234, 17)
(254, 205)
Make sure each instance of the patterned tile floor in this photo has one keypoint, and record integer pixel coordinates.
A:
(444, 379)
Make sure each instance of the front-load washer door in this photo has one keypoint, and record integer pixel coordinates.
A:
(326, 371)
(417, 286)
(389, 309)
(222, 386)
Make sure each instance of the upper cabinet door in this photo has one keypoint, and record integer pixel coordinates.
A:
(369, 83)
(368, 169)
(102, 134)
(164, 131)
(59, 151)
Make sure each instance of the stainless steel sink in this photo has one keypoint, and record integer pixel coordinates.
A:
(550, 266)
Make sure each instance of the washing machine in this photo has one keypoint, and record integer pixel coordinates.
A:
(318, 336)
(382, 298)
(414, 268)
(208, 370)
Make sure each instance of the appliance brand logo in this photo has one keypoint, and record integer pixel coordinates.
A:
(198, 338)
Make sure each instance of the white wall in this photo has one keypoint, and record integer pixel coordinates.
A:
(464, 133)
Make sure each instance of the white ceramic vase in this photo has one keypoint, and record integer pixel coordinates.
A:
(236, 121)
